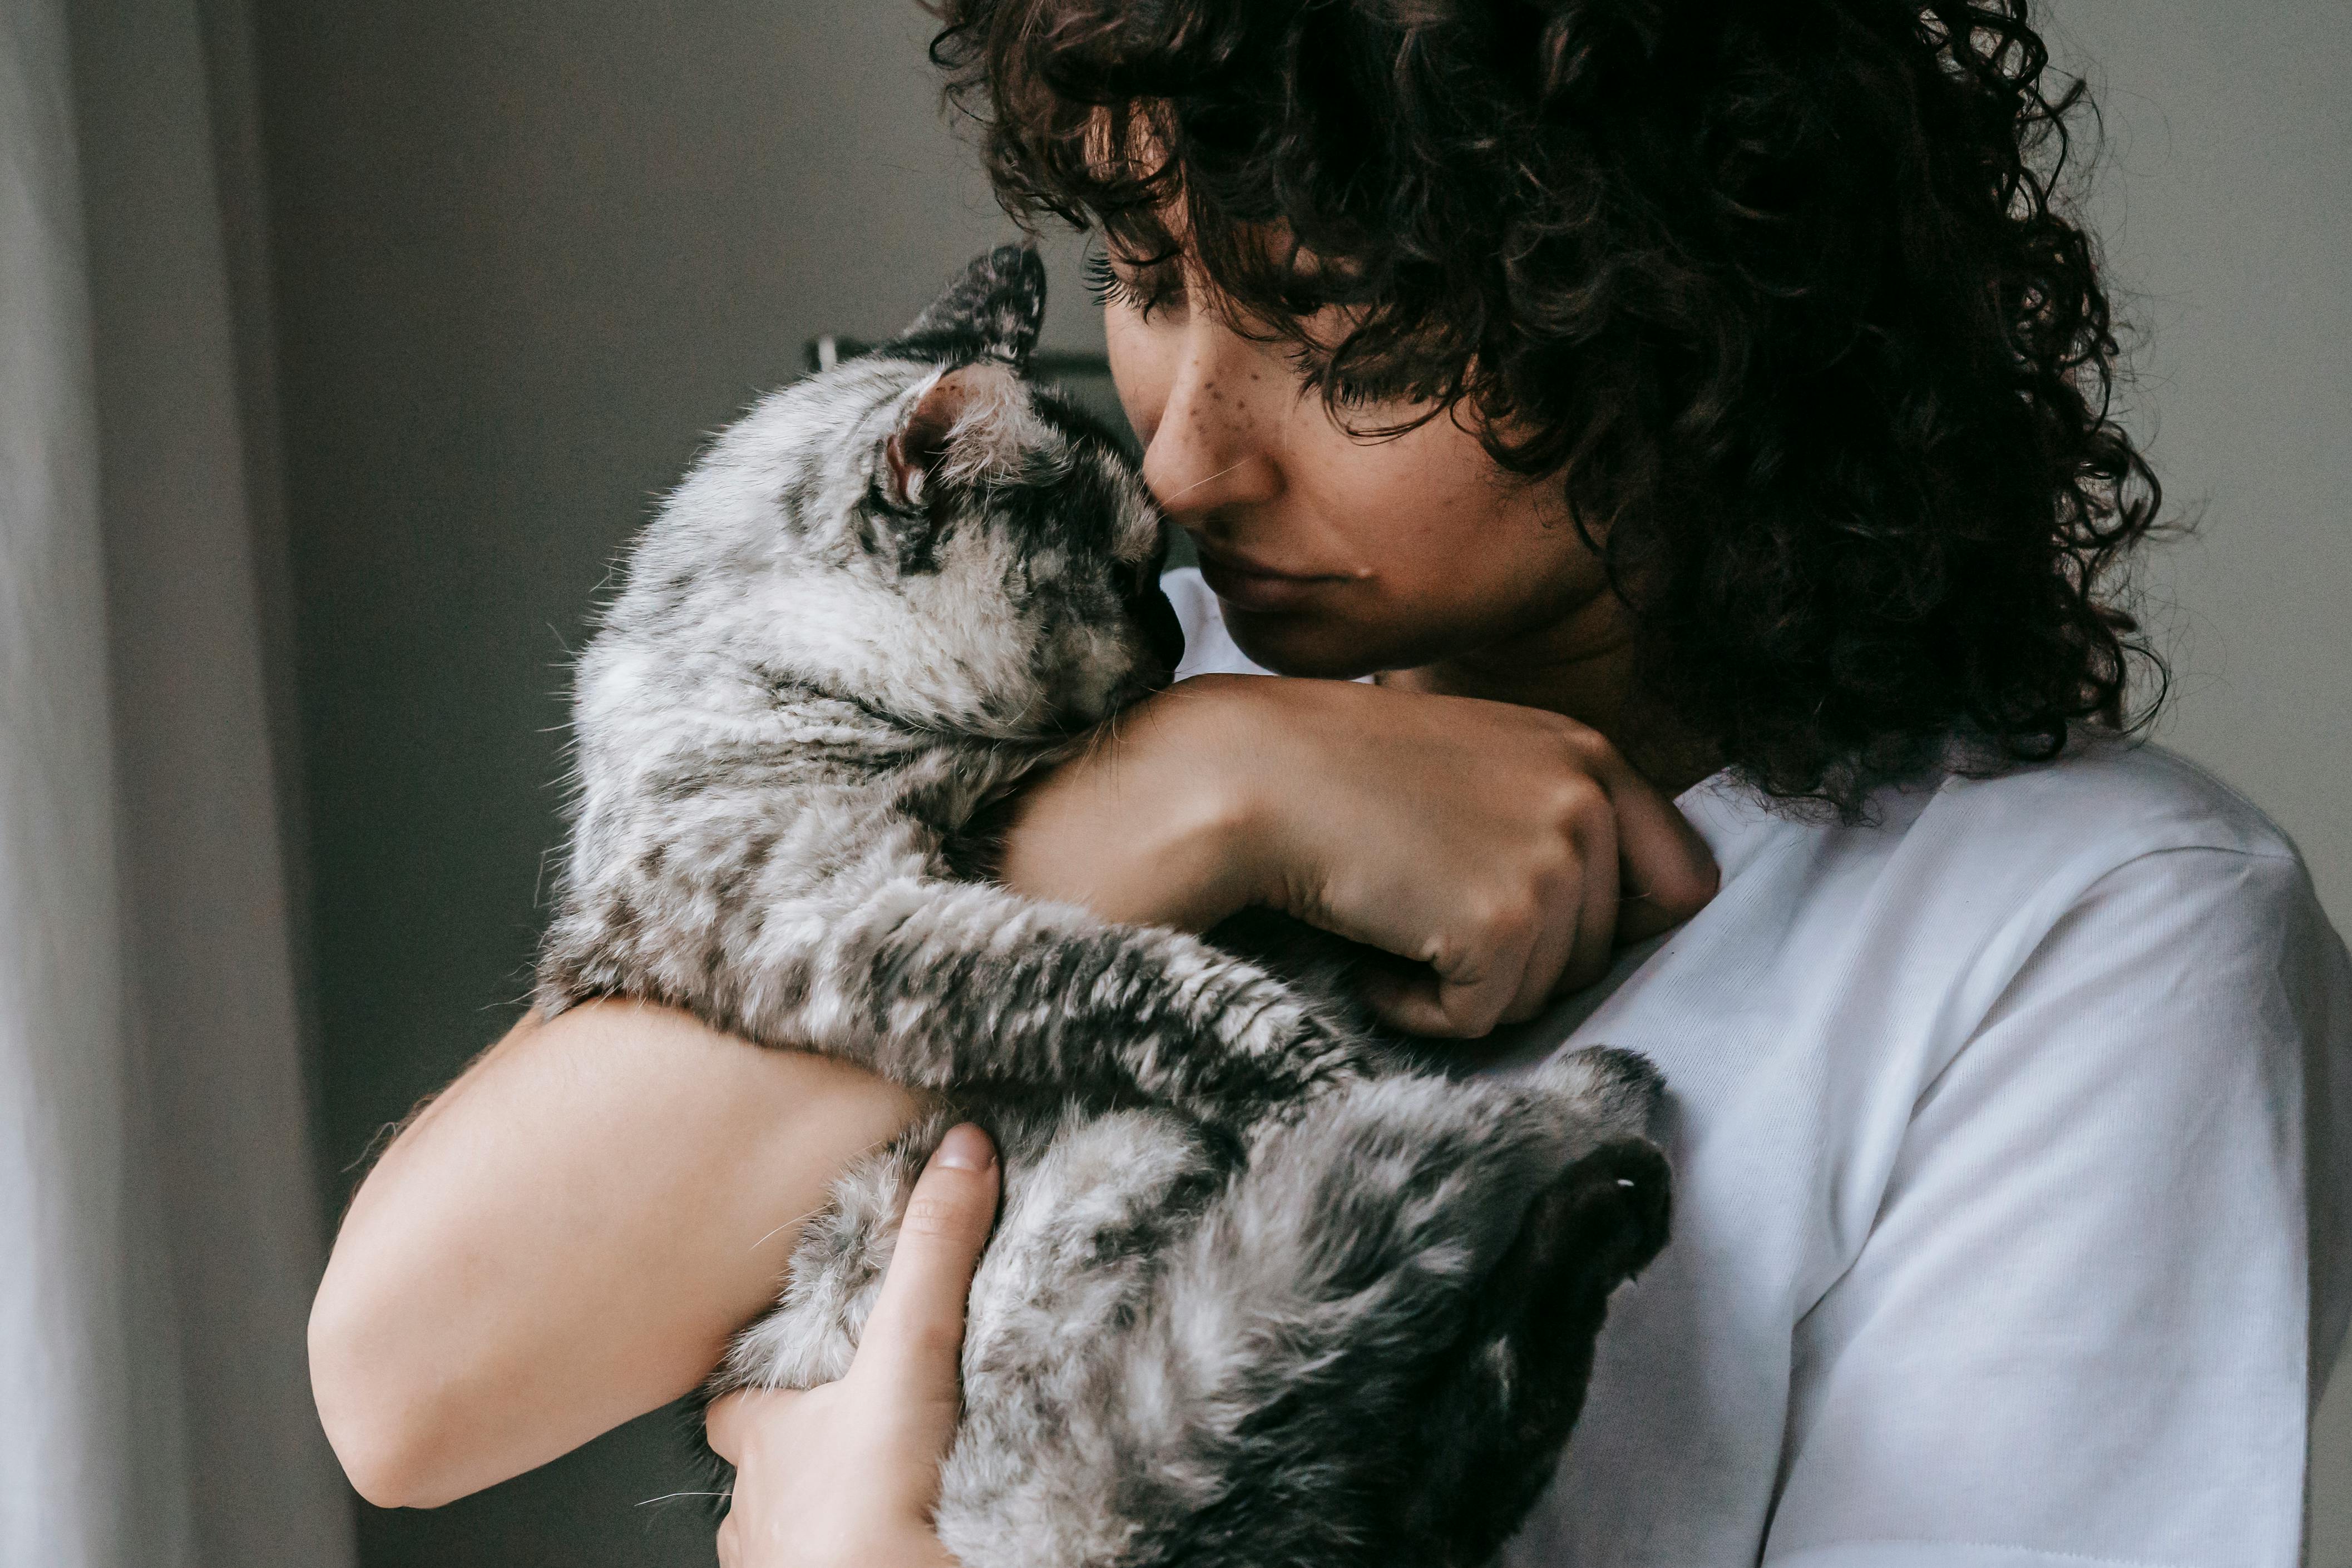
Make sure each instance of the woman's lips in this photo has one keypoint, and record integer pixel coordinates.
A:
(1247, 585)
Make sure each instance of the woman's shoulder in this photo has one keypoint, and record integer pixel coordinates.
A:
(2118, 794)
(2121, 847)
(2117, 856)
(2104, 802)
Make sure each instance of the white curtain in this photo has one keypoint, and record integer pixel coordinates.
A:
(159, 1226)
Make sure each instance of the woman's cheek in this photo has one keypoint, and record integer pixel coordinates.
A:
(1142, 367)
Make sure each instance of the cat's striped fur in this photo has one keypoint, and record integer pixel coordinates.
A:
(1259, 1295)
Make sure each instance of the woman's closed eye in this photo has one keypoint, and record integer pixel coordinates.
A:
(1147, 289)
(1351, 391)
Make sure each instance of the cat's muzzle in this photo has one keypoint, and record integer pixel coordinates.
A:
(1162, 631)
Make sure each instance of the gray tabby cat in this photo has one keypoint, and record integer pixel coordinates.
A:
(1259, 1294)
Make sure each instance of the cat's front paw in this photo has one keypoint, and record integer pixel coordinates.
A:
(1607, 1093)
(1272, 1047)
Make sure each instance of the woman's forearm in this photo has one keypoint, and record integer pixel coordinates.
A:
(1157, 823)
(566, 1237)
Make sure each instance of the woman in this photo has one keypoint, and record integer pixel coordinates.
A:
(1693, 415)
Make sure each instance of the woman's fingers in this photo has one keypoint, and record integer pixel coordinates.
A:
(1458, 998)
(1578, 945)
(732, 1420)
(1667, 872)
(849, 1472)
(910, 1345)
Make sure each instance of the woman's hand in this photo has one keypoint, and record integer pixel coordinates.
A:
(844, 1476)
(1509, 849)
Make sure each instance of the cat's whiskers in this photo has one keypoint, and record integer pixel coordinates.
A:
(1196, 484)
(1104, 734)
(787, 1225)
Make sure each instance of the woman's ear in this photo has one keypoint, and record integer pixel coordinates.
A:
(958, 428)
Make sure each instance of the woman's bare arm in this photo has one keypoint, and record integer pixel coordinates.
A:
(1509, 849)
(565, 1238)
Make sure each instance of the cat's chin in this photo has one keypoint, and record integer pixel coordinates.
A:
(1076, 720)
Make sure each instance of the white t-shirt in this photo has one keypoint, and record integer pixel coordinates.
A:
(2013, 1143)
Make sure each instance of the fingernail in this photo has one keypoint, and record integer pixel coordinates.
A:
(965, 1148)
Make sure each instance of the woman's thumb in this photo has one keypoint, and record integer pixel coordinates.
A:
(916, 1333)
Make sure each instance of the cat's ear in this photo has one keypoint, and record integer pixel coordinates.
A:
(961, 427)
(996, 307)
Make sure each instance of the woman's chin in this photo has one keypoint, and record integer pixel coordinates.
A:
(1303, 642)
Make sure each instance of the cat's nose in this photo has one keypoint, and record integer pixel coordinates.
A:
(1162, 630)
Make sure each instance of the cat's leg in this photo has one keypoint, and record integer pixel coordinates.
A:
(1489, 1437)
(1088, 1202)
(1373, 1345)
(1091, 1204)
(1501, 1405)
(761, 911)
(937, 984)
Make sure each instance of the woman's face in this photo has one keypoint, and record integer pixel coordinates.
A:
(1334, 555)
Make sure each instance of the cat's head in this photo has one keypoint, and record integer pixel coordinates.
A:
(929, 532)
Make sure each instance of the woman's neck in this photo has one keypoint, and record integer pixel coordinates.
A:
(1582, 667)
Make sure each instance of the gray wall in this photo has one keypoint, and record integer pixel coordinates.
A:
(527, 255)
(2225, 199)
(2226, 202)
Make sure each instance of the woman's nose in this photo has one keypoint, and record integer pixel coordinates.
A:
(1215, 446)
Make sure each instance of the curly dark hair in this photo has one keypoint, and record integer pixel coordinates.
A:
(1787, 297)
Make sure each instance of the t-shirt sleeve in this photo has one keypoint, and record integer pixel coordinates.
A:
(2084, 1326)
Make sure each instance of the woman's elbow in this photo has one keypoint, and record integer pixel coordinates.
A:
(379, 1417)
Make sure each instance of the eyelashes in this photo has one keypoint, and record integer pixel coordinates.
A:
(1357, 391)
(1102, 283)
(1145, 295)
(1156, 287)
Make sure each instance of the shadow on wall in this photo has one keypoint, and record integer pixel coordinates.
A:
(526, 259)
